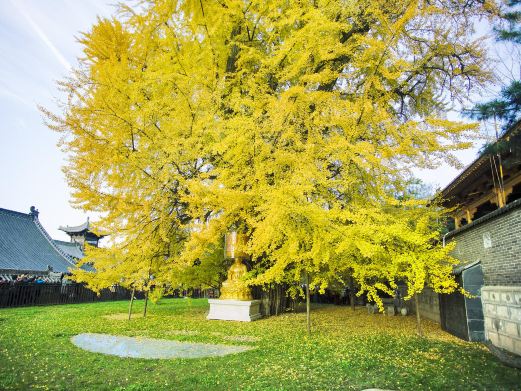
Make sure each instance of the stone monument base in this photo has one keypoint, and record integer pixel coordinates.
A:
(239, 310)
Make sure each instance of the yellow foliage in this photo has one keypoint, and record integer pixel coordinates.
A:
(296, 122)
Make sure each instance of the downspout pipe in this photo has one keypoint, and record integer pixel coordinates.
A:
(444, 238)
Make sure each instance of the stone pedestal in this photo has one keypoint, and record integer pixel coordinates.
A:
(239, 310)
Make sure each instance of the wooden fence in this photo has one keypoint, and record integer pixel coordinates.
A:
(31, 294)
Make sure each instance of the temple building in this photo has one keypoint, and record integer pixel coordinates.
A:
(489, 183)
(486, 203)
(81, 234)
(27, 248)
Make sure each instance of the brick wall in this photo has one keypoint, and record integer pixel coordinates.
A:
(495, 240)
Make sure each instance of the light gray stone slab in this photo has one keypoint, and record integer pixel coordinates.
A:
(502, 315)
(238, 310)
(151, 348)
(502, 311)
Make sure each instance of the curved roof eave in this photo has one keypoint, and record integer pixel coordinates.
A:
(75, 229)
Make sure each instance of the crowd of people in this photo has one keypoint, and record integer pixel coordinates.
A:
(28, 279)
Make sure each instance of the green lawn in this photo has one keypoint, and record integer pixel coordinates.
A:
(348, 351)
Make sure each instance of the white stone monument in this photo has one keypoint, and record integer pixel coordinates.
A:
(239, 310)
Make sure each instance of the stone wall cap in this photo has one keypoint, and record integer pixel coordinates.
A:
(234, 302)
(498, 212)
(461, 268)
(501, 288)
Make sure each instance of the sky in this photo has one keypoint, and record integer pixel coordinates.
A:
(38, 46)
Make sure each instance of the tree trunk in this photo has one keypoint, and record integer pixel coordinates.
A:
(267, 297)
(146, 303)
(277, 299)
(131, 303)
(308, 306)
(418, 318)
(352, 292)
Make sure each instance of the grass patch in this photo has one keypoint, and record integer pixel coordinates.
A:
(348, 351)
(122, 316)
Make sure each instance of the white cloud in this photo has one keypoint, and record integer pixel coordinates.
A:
(6, 91)
(41, 34)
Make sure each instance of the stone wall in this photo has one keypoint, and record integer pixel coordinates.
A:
(429, 304)
(502, 308)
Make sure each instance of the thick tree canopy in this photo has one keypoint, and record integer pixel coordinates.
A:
(295, 121)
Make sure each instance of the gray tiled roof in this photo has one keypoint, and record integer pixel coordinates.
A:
(26, 246)
(70, 248)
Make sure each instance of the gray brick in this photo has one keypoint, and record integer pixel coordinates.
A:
(501, 263)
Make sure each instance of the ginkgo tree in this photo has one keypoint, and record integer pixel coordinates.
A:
(297, 122)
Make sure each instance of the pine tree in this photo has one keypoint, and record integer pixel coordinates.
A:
(507, 106)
